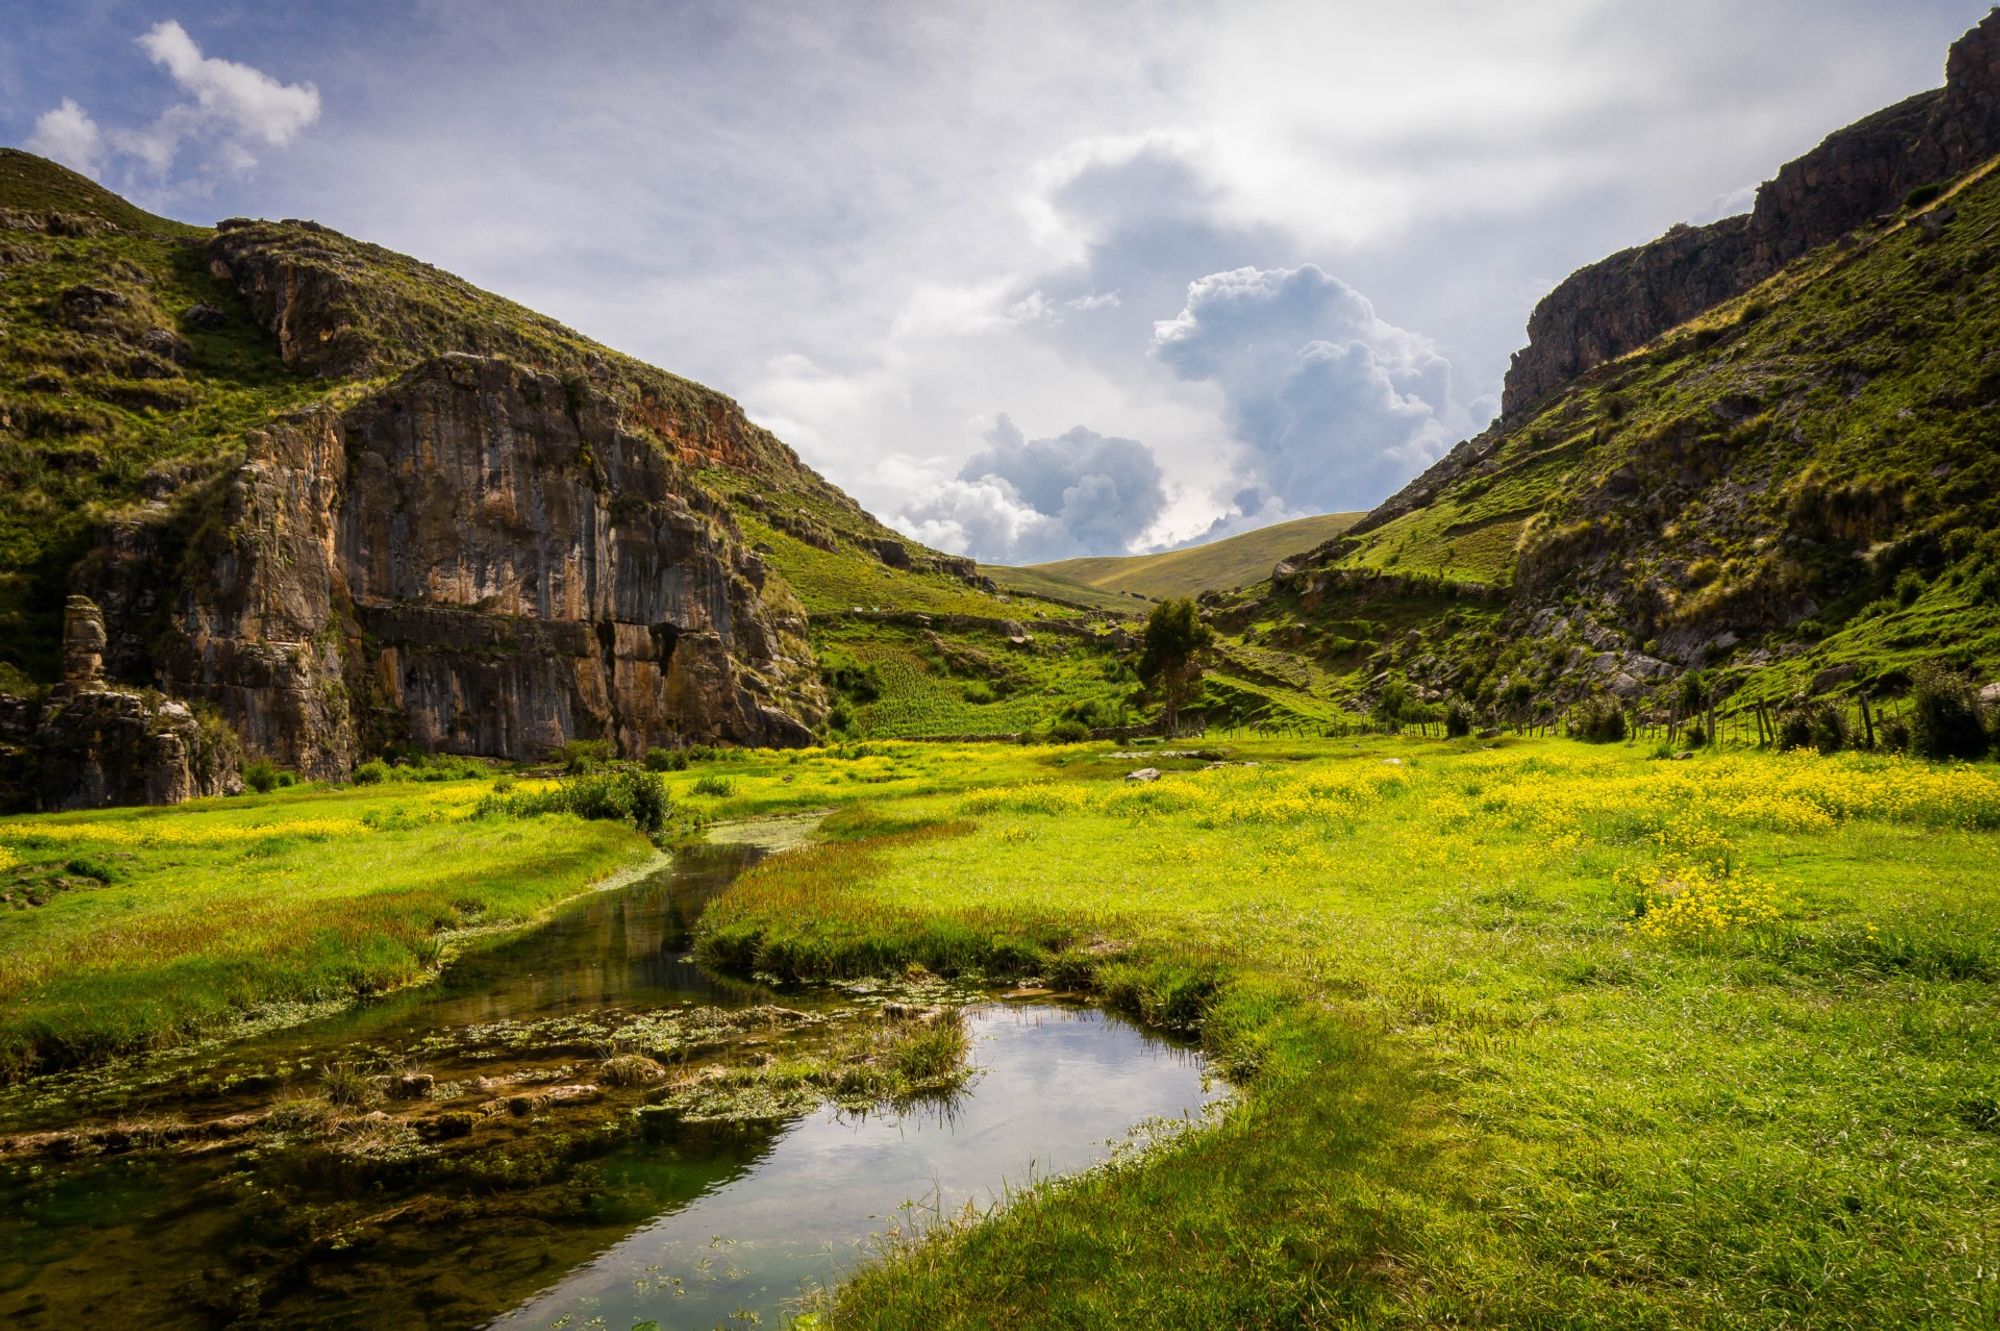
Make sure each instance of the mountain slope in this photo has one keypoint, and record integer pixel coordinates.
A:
(335, 500)
(1799, 485)
(1218, 566)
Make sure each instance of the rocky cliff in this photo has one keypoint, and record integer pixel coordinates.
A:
(1868, 169)
(321, 499)
(475, 558)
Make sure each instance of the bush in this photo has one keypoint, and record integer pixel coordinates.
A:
(1909, 587)
(850, 677)
(584, 755)
(1923, 194)
(371, 773)
(1457, 720)
(1600, 721)
(1893, 735)
(666, 760)
(1813, 725)
(719, 786)
(1945, 716)
(1068, 731)
(625, 794)
(261, 775)
(979, 693)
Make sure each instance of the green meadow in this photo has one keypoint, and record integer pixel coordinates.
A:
(127, 929)
(1540, 1034)
(1528, 1033)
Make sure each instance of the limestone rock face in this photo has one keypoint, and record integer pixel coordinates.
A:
(1609, 308)
(104, 746)
(481, 559)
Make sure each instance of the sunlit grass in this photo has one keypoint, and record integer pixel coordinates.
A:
(1537, 1034)
(206, 912)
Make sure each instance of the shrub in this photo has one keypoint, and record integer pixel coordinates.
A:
(1945, 719)
(666, 760)
(1068, 730)
(583, 755)
(623, 794)
(371, 773)
(1457, 720)
(1600, 721)
(1813, 725)
(1923, 194)
(261, 775)
(1909, 587)
(719, 786)
(849, 676)
(1893, 734)
(978, 692)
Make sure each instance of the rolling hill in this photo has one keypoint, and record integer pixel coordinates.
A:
(1218, 566)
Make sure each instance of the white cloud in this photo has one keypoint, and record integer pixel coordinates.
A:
(233, 109)
(1332, 406)
(1022, 500)
(68, 135)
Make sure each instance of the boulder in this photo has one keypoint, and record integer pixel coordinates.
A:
(1144, 774)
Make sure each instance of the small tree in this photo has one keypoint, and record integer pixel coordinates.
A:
(1392, 706)
(1170, 662)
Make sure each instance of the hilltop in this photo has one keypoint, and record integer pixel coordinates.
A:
(1214, 566)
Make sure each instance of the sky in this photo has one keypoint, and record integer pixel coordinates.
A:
(1028, 280)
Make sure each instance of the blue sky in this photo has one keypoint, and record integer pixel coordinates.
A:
(1029, 280)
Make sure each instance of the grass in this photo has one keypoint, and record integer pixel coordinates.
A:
(1233, 561)
(1528, 1035)
(194, 916)
(972, 681)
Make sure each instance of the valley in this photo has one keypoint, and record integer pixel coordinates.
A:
(491, 836)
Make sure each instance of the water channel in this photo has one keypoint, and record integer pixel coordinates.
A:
(184, 1195)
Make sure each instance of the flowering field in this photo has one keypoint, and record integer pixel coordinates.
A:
(1529, 1034)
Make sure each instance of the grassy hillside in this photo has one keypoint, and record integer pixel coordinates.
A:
(1219, 566)
(1801, 479)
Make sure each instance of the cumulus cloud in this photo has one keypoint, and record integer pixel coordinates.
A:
(68, 135)
(1022, 500)
(231, 110)
(1331, 406)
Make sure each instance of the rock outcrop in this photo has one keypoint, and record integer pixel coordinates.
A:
(1856, 174)
(479, 559)
(88, 744)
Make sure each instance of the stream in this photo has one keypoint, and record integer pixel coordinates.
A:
(484, 1170)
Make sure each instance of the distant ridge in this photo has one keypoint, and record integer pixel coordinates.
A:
(1219, 566)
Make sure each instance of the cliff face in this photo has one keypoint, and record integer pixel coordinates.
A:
(1612, 306)
(483, 559)
(306, 498)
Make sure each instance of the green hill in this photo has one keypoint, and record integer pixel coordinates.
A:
(1798, 489)
(1218, 566)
